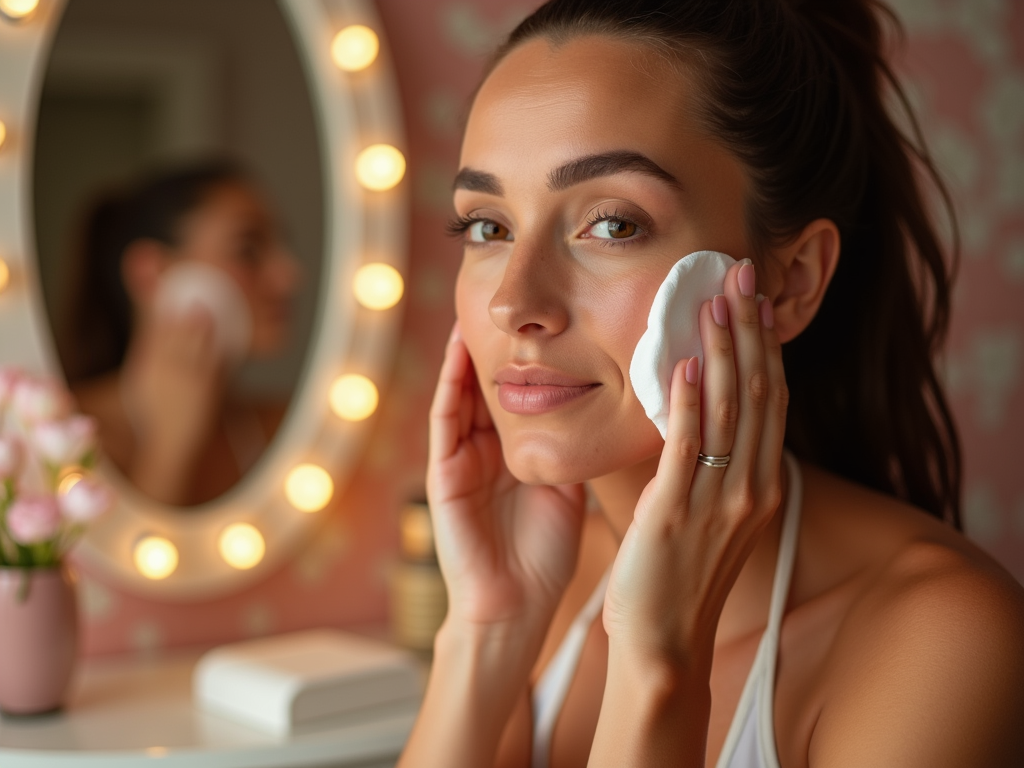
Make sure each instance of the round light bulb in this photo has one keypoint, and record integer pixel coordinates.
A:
(355, 48)
(155, 557)
(3, 132)
(241, 546)
(5, 275)
(378, 286)
(309, 488)
(18, 9)
(353, 397)
(380, 167)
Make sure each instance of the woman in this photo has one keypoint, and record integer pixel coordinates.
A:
(156, 378)
(816, 611)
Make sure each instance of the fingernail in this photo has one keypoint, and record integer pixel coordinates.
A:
(746, 280)
(720, 310)
(691, 371)
(456, 332)
(767, 316)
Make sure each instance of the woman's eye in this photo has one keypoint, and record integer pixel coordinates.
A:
(613, 229)
(485, 230)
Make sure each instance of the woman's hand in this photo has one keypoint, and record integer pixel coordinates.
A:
(694, 528)
(171, 387)
(507, 550)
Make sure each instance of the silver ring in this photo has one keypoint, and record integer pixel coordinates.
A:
(719, 462)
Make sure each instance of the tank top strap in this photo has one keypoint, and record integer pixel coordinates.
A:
(758, 698)
(549, 693)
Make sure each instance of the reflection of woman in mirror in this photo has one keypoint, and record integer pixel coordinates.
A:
(755, 610)
(157, 375)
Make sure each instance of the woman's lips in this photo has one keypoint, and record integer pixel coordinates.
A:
(533, 389)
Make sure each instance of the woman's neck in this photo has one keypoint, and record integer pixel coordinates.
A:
(746, 609)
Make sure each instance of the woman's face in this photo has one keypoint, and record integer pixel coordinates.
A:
(235, 230)
(584, 177)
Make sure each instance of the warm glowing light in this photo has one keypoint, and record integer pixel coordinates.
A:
(5, 275)
(241, 546)
(353, 397)
(3, 132)
(380, 167)
(378, 286)
(69, 481)
(309, 487)
(355, 48)
(155, 557)
(18, 9)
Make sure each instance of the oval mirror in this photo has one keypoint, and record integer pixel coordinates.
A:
(199, 230)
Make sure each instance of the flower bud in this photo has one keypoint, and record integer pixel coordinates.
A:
(9, 378)
(11, 455)
(37, 400)
(33, 519)
(86, 500)
(65, 442)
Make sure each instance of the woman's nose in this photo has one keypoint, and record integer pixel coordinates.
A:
(531, 298)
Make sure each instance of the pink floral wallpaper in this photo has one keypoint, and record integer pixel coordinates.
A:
(964, 67)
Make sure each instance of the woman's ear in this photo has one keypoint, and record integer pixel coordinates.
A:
(143, 262)
(808, 264)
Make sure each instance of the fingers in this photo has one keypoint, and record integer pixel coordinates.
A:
(773, 432)
(682, 438)
(719, 408)
(751, 374)
(447, 409)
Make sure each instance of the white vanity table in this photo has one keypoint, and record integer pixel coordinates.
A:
(127, 712)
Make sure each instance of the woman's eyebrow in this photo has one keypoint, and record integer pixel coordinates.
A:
(606, 164)
(572, 173)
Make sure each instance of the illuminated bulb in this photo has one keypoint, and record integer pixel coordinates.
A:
(3, 132)
(69, 481)
(5, 275)
(18, 9)
(380, 167)
(309, 488)
(241, 546)
(378, 286)
(355, 48)
(353, 397)
(155, 557)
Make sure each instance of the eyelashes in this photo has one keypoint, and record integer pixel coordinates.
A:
(458, 226)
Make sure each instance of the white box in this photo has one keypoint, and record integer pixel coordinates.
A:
(306, 680)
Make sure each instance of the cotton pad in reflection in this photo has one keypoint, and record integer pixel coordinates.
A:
(191, 284)
(672, 328)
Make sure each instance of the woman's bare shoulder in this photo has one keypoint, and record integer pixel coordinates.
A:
(928, 658)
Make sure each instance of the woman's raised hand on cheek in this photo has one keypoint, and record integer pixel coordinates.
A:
(695, 525)
(506, 550)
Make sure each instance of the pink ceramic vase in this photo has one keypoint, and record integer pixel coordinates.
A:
(38, 638)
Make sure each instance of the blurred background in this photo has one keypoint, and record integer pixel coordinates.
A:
(963, 65)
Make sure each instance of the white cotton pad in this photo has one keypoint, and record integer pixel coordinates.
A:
(672, 328)
(190, 284)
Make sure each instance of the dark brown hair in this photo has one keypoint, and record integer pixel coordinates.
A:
(97, 326)
(797, 91)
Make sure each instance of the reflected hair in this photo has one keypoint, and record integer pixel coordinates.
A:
(798, 91)
(97, 325)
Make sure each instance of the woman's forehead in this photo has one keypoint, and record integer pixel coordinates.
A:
(544, 104)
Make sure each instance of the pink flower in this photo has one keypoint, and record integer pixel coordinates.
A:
(65, 442)
(37, 400)
(8, 381)
(86, 500)
(11, 455)
(33, 519)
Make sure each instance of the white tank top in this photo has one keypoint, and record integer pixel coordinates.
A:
(750, 742)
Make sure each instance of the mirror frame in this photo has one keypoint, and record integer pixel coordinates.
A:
(352, 111)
